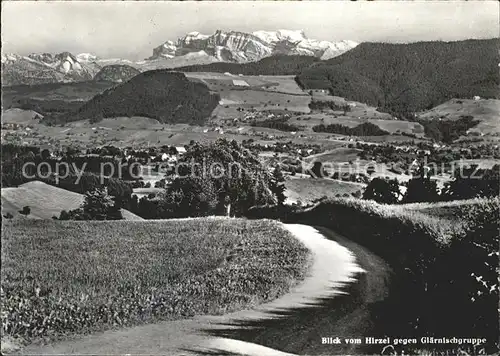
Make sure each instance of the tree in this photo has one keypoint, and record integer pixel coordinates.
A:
(277, 185)
(357, 194)
(421, 188)
(26, 211)
(45, 154)
(383, 191)
(317, 170)
(211, 177)
(98, 205)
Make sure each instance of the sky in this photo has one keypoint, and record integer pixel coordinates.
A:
(130, 29)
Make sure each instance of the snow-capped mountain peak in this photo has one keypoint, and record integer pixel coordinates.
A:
(235, 46)
(9, 57)
(86, 57)
(281, 35)
(38, 68)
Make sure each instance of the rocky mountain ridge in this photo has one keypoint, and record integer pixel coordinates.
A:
(192, 49)
(235, 46)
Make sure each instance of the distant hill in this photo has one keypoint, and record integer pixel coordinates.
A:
(166, 96)
(409, 77)
(52, 99)
(45, 201)
(486, 111)
(117, 73)
(275, 65)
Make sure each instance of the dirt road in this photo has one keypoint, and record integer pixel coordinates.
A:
(294, 323)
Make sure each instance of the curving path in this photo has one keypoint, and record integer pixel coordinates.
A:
(333, 300)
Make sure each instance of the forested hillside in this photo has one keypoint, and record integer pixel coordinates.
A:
(275, 65)
(409, 77)
(159, 94)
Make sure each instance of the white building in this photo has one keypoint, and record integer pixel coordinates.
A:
(181, 150)
(240, 83)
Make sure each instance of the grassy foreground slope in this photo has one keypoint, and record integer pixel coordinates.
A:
(73, 277)
(486, 111)
(45, 201)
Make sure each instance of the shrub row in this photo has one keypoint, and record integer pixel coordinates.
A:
(445, 272)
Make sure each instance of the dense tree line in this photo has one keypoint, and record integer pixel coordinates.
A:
(411, 77)
(274, 65)
(322, 105)
(86, 177)
(467, 183)
(448, 130)
(277, 124)
(364, 129)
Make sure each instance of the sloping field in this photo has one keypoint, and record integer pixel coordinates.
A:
(96, 275)
(485, 110)
(341, 154)
(79, 91)
(253, 92)
(350, 119)
(357, 109)
(453, 210)
(45, 201)
(129, 123)
(217, 81)
(19, 116)
(481, 163)
(309, 189)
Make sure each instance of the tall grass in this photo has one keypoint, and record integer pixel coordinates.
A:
(74, 277)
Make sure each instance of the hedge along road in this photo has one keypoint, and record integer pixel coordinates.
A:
(334, 300)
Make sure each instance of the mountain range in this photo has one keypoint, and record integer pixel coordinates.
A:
(192, 49)
(235, 46)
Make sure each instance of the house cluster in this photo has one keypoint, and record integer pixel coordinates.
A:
(10, 126)
(217, 129)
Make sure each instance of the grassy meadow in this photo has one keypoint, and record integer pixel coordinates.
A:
(65, 278)
(307, 190)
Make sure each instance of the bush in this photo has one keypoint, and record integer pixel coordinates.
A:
(26, 211)
(421, 189)
(445, 278)
(365, 129)
(383, 191)
(98, 205)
